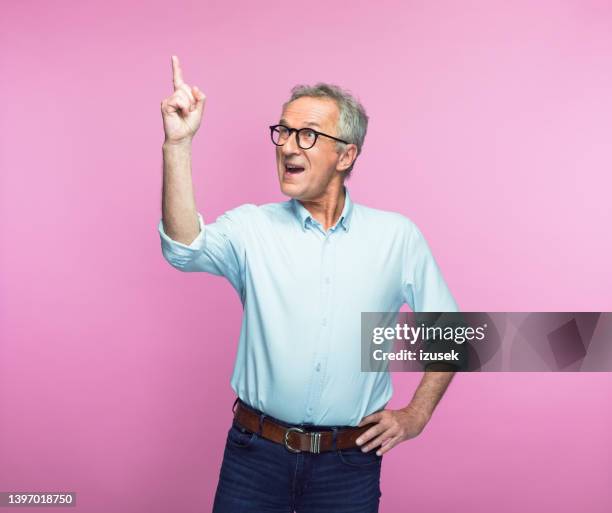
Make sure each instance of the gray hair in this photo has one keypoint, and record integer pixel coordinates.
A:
(352, 121)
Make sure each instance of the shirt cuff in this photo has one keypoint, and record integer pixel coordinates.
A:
(178, 248)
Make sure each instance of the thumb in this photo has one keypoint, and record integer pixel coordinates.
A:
(199, 97)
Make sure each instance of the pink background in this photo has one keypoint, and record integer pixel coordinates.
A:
(490, 128)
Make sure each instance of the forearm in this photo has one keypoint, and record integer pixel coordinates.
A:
(179, 211)
(430, 391)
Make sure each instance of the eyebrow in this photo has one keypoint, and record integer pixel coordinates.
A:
(308, 123)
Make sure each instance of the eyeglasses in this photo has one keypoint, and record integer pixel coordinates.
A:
(306, 137)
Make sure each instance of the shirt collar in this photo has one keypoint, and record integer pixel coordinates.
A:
(304, 216)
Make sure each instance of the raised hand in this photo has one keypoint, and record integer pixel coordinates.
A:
(182, 110)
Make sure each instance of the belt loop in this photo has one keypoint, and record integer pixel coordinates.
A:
(335, 433)
(261, 420)
(234, 405)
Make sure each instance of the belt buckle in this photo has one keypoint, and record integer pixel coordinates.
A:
(315, 440)
(300, 430)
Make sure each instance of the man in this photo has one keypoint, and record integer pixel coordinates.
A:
(310, 429)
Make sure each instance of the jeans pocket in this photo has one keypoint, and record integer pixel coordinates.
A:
(240, 437)
(355, 457)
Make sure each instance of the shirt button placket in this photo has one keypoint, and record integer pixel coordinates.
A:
(325, 272)
(321, 349)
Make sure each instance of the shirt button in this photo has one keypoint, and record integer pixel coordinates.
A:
(309, 410)
(324, 321)
(327, 280)
(318, 367)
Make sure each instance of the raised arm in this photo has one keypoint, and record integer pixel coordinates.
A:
(182, 115)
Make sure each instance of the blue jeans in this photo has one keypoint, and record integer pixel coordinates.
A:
(261, 476)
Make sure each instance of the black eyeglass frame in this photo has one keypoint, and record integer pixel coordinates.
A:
(297, 136)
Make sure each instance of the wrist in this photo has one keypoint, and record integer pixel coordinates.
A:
(420, 411)
(182, 144)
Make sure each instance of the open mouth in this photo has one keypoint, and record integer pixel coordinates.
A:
(293, 169)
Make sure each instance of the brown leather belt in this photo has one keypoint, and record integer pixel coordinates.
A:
(295, 438)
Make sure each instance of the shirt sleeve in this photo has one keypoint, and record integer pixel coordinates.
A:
(219, 248)
(424, 287)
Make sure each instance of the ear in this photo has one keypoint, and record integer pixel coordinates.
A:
(347, 157)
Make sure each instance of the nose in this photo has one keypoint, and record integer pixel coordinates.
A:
(291, 146)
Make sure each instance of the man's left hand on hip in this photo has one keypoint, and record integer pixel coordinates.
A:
(391, 428)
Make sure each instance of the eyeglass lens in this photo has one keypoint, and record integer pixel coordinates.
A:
(306, 137)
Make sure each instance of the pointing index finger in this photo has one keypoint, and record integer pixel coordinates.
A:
(177, 73)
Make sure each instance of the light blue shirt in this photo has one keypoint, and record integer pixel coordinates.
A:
(303, 291)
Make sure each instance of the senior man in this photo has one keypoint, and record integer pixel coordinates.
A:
(310, 429)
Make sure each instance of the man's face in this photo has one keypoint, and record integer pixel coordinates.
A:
(321, 162)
